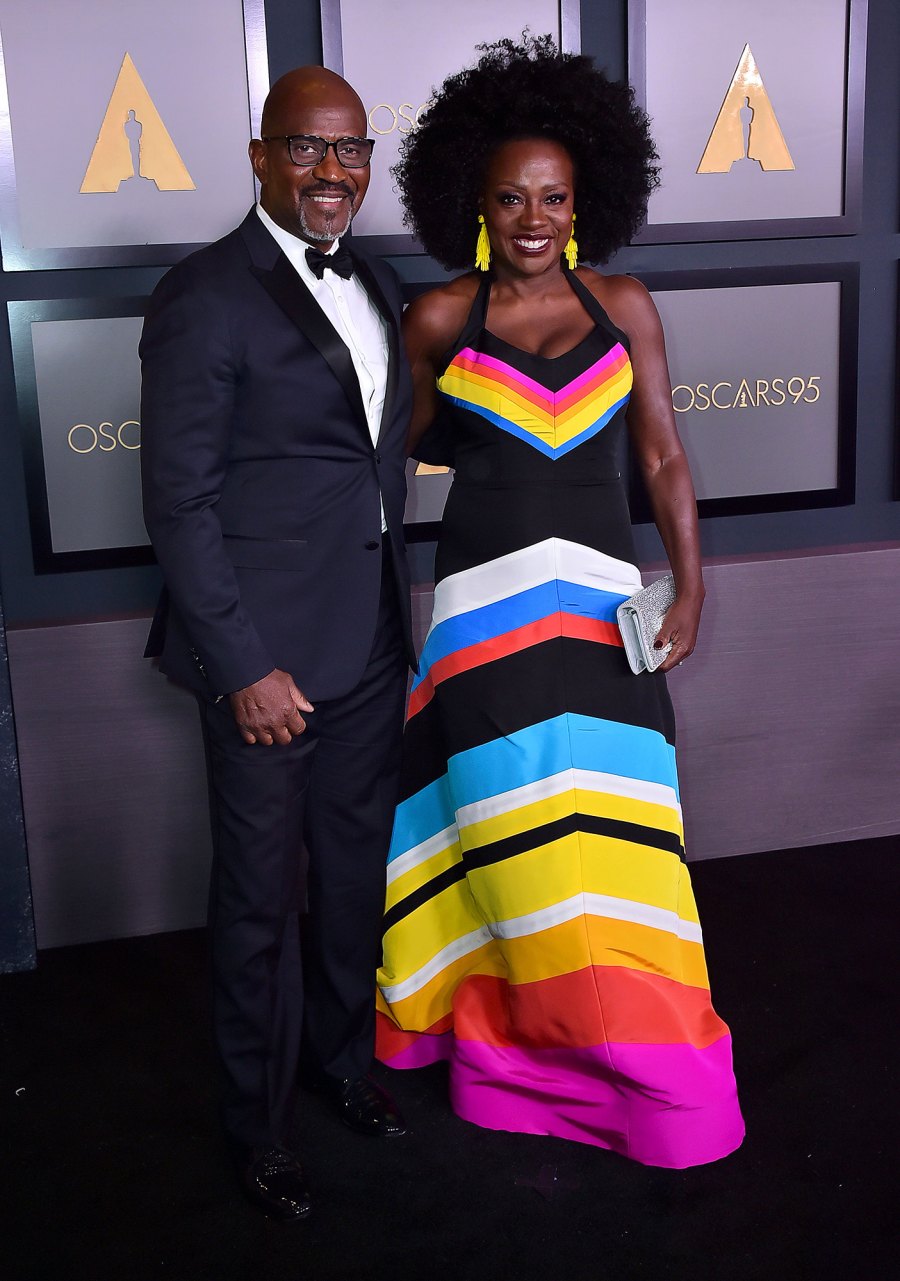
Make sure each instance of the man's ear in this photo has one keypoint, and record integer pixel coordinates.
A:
(258, 153)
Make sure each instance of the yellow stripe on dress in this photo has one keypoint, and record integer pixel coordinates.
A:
(487, 394)
(562, 949)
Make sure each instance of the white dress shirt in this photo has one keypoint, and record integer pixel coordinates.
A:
(355, 317)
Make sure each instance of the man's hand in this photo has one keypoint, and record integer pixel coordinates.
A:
(268, 711)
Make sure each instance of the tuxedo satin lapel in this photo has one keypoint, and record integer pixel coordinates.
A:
(287, 289)
(375, 292)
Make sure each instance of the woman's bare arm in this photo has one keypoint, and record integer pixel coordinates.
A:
(661, 456)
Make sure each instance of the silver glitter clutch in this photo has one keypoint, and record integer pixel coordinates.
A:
(640, 618)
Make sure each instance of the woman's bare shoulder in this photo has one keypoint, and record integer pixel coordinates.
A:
(625, 300)
(435, 318)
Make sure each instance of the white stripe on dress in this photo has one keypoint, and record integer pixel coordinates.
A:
(554, 558)
(633, 789)
(583, 904)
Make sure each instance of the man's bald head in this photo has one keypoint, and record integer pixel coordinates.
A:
(305, 88)
(314, 200)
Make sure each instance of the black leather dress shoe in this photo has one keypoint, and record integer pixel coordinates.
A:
(366, 1107)
(274, 1182)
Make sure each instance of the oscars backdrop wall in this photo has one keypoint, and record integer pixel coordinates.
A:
(395, 55)
(757, 111)
(123, 135)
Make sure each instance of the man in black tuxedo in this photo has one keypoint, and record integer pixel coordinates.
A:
(274, 411)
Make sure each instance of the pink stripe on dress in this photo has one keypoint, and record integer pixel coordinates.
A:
(476, 358)
(613, 357)
(680, 1108)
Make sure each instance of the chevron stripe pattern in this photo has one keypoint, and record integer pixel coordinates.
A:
(554, 422)
(541, 934)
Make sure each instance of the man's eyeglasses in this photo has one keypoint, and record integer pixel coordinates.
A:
(307, 149)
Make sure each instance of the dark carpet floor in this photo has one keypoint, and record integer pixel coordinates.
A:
(113, 1166)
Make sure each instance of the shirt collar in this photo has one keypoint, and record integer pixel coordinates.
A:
(293, 246)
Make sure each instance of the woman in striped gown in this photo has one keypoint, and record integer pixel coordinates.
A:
(541, 934)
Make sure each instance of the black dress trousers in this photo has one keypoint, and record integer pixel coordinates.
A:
(300, 841)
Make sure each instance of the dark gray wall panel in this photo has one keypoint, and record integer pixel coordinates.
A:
(16, 922)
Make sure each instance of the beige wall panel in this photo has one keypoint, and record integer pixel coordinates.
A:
(113, 782)
(788, 720)
(789, 711)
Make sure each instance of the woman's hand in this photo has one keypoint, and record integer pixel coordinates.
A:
(680, 626)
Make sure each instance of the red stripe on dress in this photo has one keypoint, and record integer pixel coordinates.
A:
(583, 1008)
(574, 626)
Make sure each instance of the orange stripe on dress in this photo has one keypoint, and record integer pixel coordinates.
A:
(553, 404)
(470, 371)
(588, 1007)
(564, 399)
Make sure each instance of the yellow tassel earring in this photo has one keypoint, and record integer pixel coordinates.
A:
(571, 249)
(483, 248)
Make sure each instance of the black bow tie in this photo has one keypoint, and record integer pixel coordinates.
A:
(340, 262)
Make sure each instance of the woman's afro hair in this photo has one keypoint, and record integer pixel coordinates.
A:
(527, 90)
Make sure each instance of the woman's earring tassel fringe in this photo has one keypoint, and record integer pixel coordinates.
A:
(482, 248)
(571, 249)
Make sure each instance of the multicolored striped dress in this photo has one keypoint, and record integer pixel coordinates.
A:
(541, 933)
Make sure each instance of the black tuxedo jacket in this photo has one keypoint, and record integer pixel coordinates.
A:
(261, 483)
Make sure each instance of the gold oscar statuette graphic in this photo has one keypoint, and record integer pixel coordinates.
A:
(746, 127)
(133, 141)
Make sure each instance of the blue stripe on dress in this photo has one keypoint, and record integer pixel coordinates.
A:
(532, 438)
(488, 621)
(538, 751)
